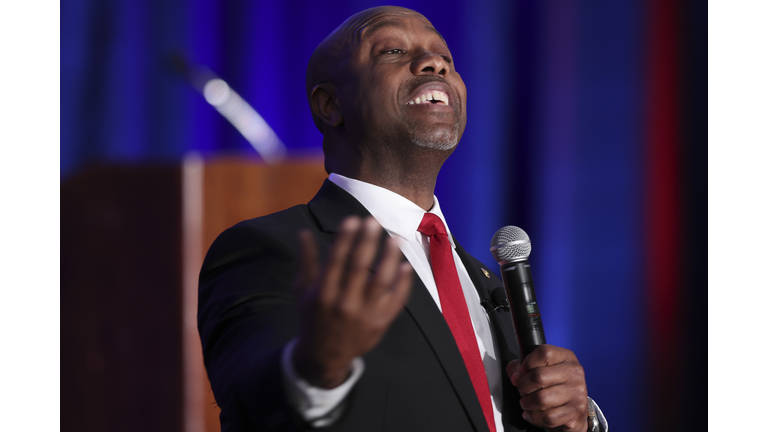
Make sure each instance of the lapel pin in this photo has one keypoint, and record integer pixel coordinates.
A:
(485, 272)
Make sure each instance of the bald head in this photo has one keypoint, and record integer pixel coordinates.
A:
(330, 58)
(384, 92)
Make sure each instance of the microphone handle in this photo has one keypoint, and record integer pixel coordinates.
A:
(518, 282)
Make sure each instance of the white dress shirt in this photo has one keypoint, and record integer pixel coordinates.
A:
(400, 218)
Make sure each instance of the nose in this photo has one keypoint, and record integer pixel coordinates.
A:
(429, 63)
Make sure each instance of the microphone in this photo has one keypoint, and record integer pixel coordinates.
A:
(510, 247)
(497, 301)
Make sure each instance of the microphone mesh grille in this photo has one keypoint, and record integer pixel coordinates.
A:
(506, 252)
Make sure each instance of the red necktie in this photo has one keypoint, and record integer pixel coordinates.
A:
(455, 309)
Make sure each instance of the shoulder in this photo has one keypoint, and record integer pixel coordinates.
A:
(273, 235)
(291, 219)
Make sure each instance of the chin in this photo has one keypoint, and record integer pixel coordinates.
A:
(438, 140)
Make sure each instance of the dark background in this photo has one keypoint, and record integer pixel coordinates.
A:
(586, 127)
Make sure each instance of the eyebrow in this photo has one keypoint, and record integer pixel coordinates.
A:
(396, 23)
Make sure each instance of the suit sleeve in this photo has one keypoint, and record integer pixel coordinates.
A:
(247, 313)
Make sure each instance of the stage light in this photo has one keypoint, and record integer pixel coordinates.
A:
(232, 106)
(245, 119)
(216, 91)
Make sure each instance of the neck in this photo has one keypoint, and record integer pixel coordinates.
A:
(417, 188)
(412, 175)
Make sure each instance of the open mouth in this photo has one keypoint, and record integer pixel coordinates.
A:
(433, 97)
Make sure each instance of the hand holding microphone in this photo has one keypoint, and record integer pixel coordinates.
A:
(550, 379)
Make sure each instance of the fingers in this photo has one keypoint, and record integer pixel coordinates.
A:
(403, 284)
(552, 388)
(352, 307)
(401, 289)
(513, 371)
(542, 378)
(346, 279)
(390, 287)
(545, 355)
(548, 366)
(551, 397)
(337, 258)
(569, 417)
(387, 272)
(359, 262)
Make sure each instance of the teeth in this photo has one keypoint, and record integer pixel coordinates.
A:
(435, 95)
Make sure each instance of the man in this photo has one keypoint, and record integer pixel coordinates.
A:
(366, 340)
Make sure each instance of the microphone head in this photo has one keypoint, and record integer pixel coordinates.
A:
(510, 244)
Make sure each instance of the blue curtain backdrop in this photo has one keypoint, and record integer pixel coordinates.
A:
(559, 119)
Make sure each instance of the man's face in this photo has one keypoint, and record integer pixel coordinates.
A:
(403, 84)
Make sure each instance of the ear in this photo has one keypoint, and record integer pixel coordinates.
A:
(325, 105)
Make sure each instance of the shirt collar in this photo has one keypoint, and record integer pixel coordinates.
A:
(397, 214)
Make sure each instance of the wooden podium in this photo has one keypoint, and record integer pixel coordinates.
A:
(133, 240)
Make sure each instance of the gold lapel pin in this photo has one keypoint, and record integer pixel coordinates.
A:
(485, 272)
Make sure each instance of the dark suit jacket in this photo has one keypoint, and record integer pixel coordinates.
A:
(414, 379)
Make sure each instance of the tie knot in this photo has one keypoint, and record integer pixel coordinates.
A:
(431, 225)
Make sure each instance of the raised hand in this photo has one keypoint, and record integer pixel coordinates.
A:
(552, 389)
(346, 309)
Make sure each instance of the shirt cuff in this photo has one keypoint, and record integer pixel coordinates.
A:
(601, 423)
(317, 406)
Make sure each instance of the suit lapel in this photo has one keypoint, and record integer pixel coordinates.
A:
(330, 207)
(482, 283)
(505, 339)
(501, 321)
(428, 317)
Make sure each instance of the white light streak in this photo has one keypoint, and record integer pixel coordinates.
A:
(245, 119)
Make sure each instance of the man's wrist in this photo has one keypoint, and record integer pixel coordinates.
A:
(319, 374)
(319, 407)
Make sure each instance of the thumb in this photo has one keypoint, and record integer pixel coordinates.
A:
(513, 371)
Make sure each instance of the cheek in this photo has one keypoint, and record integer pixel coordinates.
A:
(380, 98)
(461, 88)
